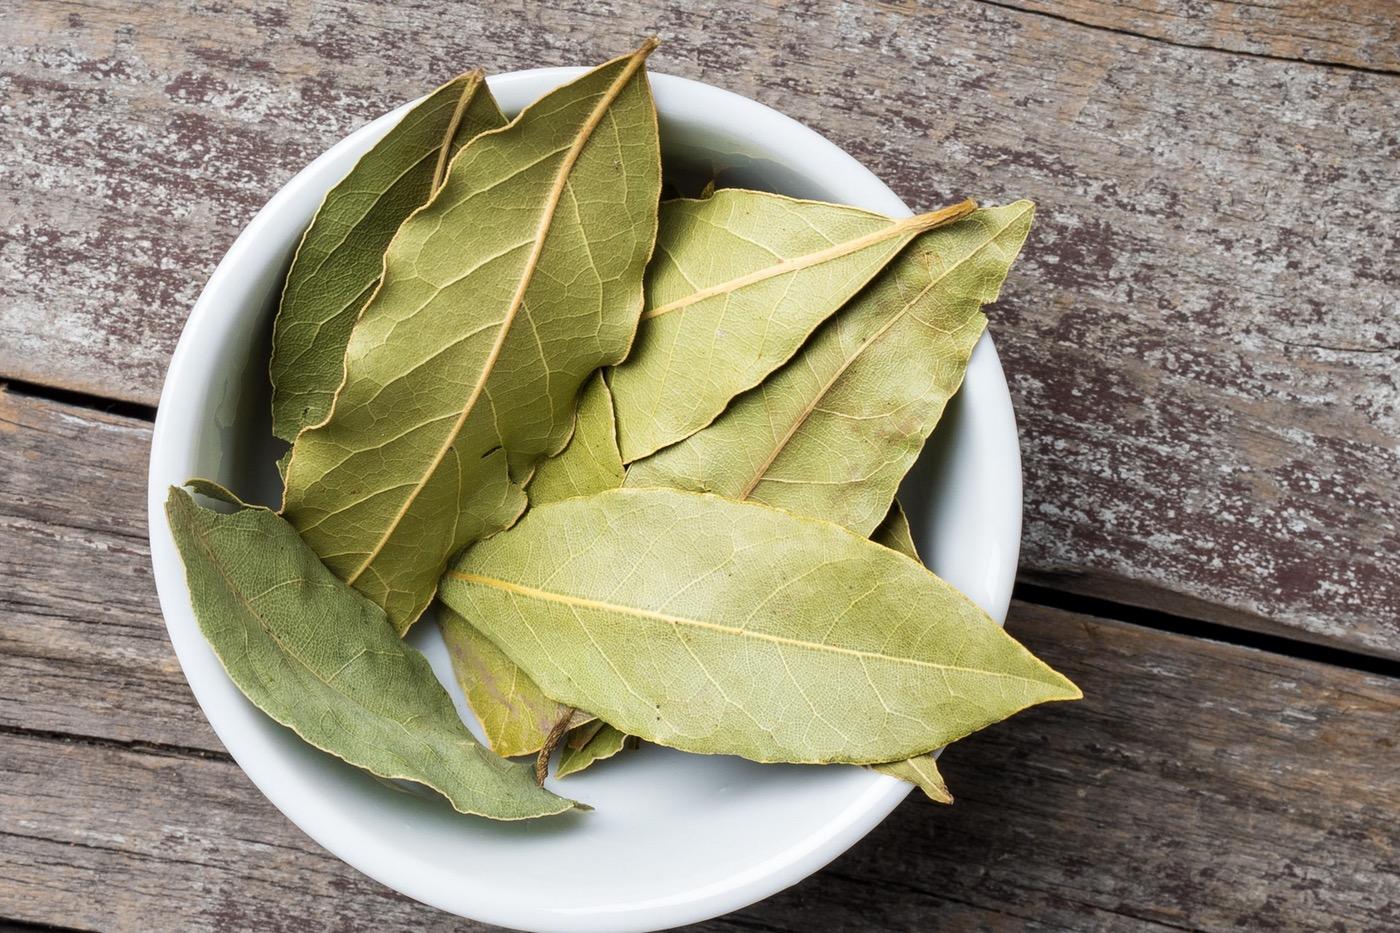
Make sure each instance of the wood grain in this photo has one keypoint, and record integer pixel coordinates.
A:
(1352, 33)
(1202, 344)
(1198, 786)
(1201, 341)
(82, 646)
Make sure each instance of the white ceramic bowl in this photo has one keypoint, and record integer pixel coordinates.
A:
(675, 838)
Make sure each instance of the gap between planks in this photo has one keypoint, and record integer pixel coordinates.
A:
(1159, 621)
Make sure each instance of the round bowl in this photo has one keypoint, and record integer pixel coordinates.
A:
(674, 838)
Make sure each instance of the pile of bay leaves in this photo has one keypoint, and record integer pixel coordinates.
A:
(642, 452)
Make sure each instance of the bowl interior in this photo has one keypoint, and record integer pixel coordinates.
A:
(674, 838)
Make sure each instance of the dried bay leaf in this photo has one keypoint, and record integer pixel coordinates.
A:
(604, 743)
(515, 713)
(341, 255)
(499, 297)
(591, 461)
(923, 773)
(522, 695)
(894, 532)
(726, 627)
(322, 660)
(832, 433)
(739, 281)
(579, 736)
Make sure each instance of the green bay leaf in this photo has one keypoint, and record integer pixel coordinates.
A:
(727, 627)
(498, 299)
(833, 432)
(341, 255)
(322, 660)
(515, 713)
(580, 735)
(739, 281)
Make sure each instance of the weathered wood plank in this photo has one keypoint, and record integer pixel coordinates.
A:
(1198, 786)
(104, 838)
(82, 646)
(1201, 341)
(1355, 33)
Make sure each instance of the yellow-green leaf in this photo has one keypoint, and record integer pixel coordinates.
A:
(514, 713)
(579, 735)
(605, 742)
(341, 254)
(740, 279)
(923, 773)
(322, 660)
(833, 432)
(729, 627)
(499, 298)
(591, 462)
(894, 532)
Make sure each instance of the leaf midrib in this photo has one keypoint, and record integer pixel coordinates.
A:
(899, 228)
(581, 602)
(517, 301)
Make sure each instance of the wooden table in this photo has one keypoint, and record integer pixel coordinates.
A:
(1202, 340)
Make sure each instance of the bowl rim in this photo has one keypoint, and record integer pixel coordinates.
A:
(179, 411)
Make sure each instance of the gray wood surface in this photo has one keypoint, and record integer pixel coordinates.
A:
(1199, 785)
(1362, 34)
(1201, 340)
(79, 652)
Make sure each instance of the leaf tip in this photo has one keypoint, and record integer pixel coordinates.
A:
(180, 501)
(1068, 689)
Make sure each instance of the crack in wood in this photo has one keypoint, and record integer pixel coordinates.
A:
(161, 749)
(1176, 43)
